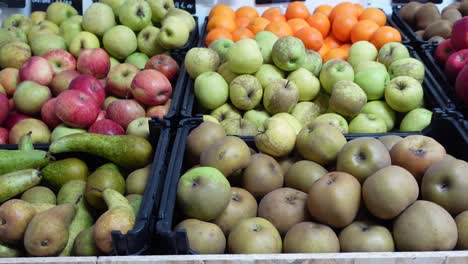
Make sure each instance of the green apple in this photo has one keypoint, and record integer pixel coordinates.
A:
(139, 127)
(44, 27)
(208, 118)
(83, 40)
(227, 74)
(19, 21)
(114, 62)
(159, 9)
(391, 52)
(334, 120)
(373, 82)
(19, 34)
(200, 60)
(70, 28)
(244, 57)
(138, 59)
(333, 71)
(416, 120)
(382, 110)
(266, 40)
(135, 14)
(245, 92)
(280, 96)
(290, 120)
(45, 42)
(221, 46)
(14, 54)
(184, 15)
(312, 62)
(322, 100)
(361, 51)
(7, 36)
(63, 130)
(365, 65)
(120, 41)
(225, 111)
(367, 123)
(404, 94)
(256, 117)
(239, 127)
(98, 18)
(347, 98)
(288, 53)
(306, 112)
(58, 12)
(114, 4)
(37, 16)
(147, 41)
(306, 82)
(211, 90)
(278, 139)
(407, 67)
(203, 193)
(30, 96)
(174, 33)
(267, 73)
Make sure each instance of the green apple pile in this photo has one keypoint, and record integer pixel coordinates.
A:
(364, 195)
(241, 84)
(64, 206)
(129, 30)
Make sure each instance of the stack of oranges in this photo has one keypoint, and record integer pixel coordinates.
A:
(328, 30)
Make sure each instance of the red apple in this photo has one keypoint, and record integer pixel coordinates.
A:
(60, 60)
(48, 113)
(119, 79)
(9, 79)
(459, 36)
(151, 87)
(455, 63)
(106, 127)
(160, 110)
(124, 111)
(36, 69)
(61, 81)
(461, 84)
(164, 64)
(94, 62)
(443, 52)
(91, 86)
(11, 104)
(76, 108)
(102, 115)
(4, 106)
(3, 135)
(40, 133)
(13, 118)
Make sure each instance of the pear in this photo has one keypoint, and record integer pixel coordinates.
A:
(84, 244)
(135, 201)
(47, 233)
(57, 173)
(106, 176)
(15, 216)
(9, 252)
(118, 217)
(136, 181)
(14, 183)
(41, 207)
(39, 194)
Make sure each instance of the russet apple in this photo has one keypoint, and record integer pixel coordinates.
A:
(244, 237)
(200, 60)
(245, 92)
(48, 114)
(106, 127)
(61, 81)
(151, 87)
(36, 69)
(288, 53)
(60, 60)
(347, 98)
(366, 237)
(76, 108)
(124, 111)
(94, 62)
(89, 85)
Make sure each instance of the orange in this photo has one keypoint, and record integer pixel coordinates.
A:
(363, 30)
(359, 9)
(332, 42)
(242, 22)
(346, 47)
(374, 14)
(280, 29)
(320, 22)
(274, 15)
(297, 23)
(222, 22)
(247, 11)
(323, 9)
(222, 10)
(217, 33)
(258, 24)
(342, 26)
(323, 50)
(337, 53)
(384, 35)
(297, 10)
(242, 33)
(343, 9)
(311, 37)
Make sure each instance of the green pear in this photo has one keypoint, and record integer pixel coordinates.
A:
(104, 177)
(135, 201)
(136, 181)
(60, 172)
(84, 244)
(15, 216)
(39, 194)
(14, 183)
(9, 252)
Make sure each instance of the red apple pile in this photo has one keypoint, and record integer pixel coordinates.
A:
(452, 54)
(82, 93)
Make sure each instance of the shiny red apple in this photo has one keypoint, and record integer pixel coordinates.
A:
(95, 62)
(76, 108)
(151, 88)
(164, 64)
(124, 111)
(90, 85)
(106, 127)
(443, 52)
(48, 113)
(60, 60)
(36, 69)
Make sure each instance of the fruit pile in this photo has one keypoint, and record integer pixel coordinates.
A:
(452, 55)
(428, 22)
(54, 208)
(328, 30)
(279, 77)
(364, 195)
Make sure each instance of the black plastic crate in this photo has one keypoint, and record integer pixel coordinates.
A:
(444, 129)
(136, 241)
(404, 28)
(427, 54)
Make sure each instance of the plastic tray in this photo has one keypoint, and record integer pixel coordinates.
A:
(136, 241)
(404, 28)
(444, 129)
(427, 54)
